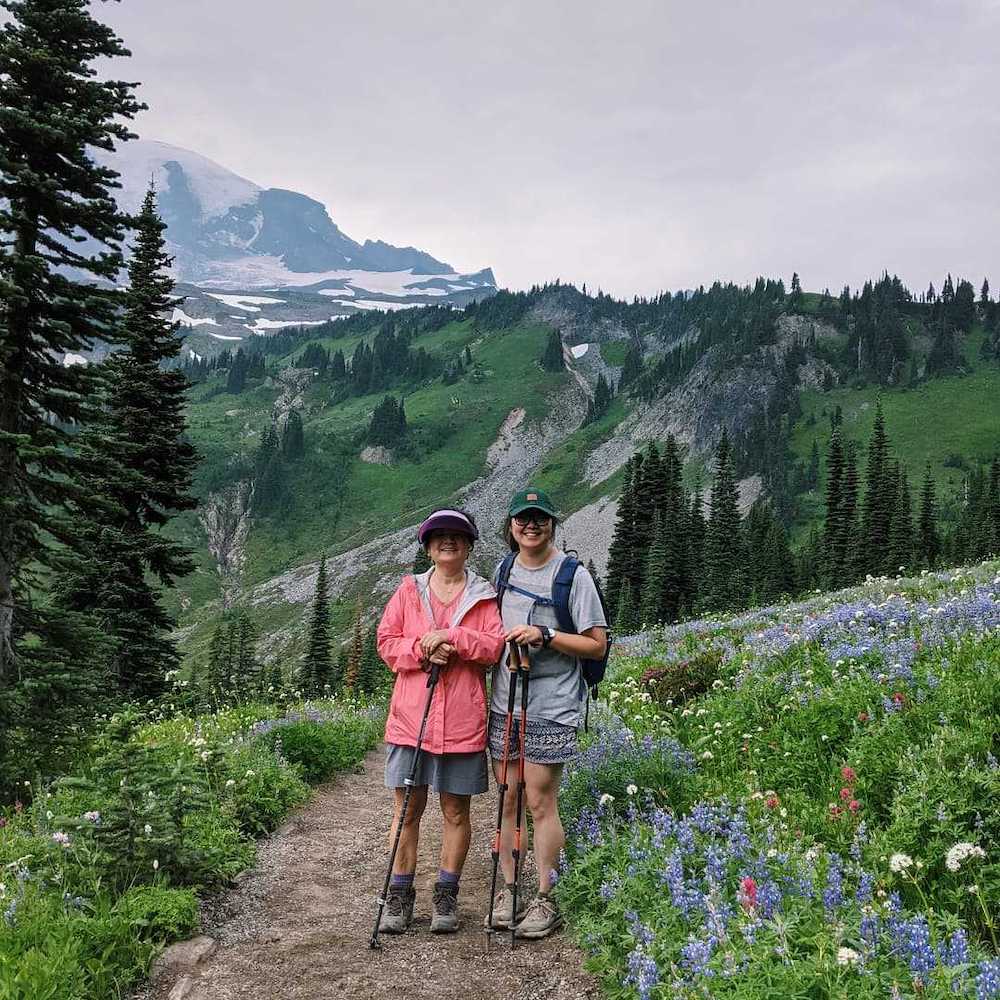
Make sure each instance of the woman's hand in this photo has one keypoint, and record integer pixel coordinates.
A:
(443, 654)
(431, 640)
(525, 635)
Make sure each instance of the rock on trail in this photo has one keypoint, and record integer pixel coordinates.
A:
(298, 925)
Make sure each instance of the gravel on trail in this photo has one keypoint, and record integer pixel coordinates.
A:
(298, 924)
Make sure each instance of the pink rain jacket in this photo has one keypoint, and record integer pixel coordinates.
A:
(457, 719)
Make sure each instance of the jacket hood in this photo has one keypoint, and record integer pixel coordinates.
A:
(476, 589)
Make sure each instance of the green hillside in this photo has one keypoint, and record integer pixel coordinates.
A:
(938, 387)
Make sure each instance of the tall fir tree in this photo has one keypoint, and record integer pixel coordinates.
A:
(293, 445)
(877, 508)
(620, 551)
(833, 525)
(724, 572)
(355, 656)
(928, 538)
(901, 540)
(316, 667)
(54, 108)
(373, 672)
(651, 607)
(141, 466)
(552, 356)
(697, 528)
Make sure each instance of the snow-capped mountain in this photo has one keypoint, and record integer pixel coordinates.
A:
(227, 233)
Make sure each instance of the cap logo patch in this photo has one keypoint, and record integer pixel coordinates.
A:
(532, 496)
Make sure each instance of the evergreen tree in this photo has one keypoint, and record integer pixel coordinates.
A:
(352, 670)
(601, 402)
(696, 531)
(627, 616)
(317, 664)
(269, 472)
(552, 356)
(848, 549)
(901, 540)
(877, 511)
(632, 367)
(246, 669)
(373, 672)
(724, 570)
(620, 552)
(928, 540)
(53, 109)
(833, 529)
(795, 298)
(292, 440)
(236, 379)
(219, 665)
(651, 610)
(141, 468)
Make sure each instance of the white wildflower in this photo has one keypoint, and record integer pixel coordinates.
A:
(960, 852)
(900, 862)
(847, 956)
(230, 783)
(632, 789)
(147, 829)
(605, 799)
(707, 755)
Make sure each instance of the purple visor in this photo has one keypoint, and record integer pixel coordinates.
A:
(446, 520)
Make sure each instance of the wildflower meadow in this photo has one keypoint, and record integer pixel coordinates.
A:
(103, 867)
(799, 801)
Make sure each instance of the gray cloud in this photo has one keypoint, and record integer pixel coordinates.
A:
(635, 146)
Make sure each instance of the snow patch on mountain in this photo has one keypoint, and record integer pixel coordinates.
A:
(223, 336)
(579, 351)
(215, 188)
(74, 359)
(251, 303)
(261, 325)
(179, 316)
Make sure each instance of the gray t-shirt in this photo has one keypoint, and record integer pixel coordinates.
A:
(556, 690)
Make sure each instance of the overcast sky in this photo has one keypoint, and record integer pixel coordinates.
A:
(634, 146)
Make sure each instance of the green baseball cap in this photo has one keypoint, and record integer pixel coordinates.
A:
(531, 499)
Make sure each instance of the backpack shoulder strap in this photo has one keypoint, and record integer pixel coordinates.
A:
(503, 577)
(562, 585)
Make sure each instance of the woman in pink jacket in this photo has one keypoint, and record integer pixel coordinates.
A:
(448, 616)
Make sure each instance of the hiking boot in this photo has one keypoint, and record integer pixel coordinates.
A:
(445, 918)
(502, 906)
(541, 918)
(398, 912)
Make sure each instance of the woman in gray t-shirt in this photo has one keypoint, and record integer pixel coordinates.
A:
(556, 695)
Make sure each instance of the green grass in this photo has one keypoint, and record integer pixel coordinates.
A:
(951, 416)
(614, 352)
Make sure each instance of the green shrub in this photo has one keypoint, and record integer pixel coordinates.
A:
(319, 749)
(264, 788)
(158, 913)
(677, 683)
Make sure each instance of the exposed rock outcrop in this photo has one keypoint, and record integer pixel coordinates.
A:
(226, 520)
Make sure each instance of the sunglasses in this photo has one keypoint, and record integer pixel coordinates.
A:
(536, 518)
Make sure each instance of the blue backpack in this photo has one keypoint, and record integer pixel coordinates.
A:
(593, 670)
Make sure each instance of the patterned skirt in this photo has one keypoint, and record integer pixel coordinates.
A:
(546, 742)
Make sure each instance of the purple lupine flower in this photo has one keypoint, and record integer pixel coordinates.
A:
(833, 894)
(988, 980)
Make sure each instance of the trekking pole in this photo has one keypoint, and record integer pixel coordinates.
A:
(512, 664)
(432, 679)
(524, 668)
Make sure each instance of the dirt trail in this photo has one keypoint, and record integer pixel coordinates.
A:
(297, 926)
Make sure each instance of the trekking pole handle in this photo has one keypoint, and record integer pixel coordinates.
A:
(514, 660)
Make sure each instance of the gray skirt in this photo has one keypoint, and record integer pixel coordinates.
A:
(456, 773)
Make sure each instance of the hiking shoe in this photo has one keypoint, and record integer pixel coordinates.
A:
(398, 912)
(541, 918)
(502, 906)
(445, 918)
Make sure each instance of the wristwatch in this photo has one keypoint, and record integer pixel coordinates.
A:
(548, 634)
